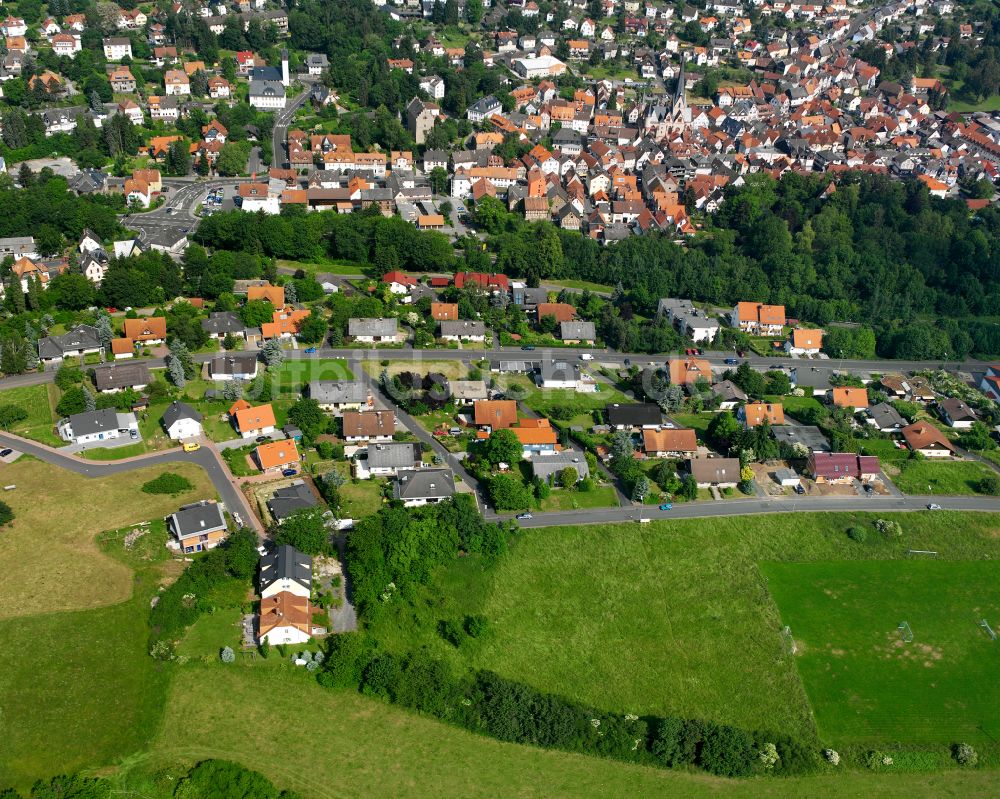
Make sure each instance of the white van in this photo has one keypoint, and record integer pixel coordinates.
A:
(586, 356)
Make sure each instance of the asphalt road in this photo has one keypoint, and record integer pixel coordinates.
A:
(204, 457)
(752, 506)
(282, 119)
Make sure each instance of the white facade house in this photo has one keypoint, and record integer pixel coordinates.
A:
(117, 47)
(92, 426)
(182, 421)
(267, 95)
(285, 569)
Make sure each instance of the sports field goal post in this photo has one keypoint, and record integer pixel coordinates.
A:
(905, 632)
(989, 630)
(927, 553)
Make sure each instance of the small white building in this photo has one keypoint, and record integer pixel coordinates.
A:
(181, 421)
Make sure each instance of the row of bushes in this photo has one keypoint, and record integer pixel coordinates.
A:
(490, 704)
(180, 604)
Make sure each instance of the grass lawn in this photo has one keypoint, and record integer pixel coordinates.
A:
(361, 498)
(884, 448)
(452, 369)
(699, 422)
(296, 373)
(212, 631)
(236, 460)
(866, 684)
(932, 477)
(793, 404)
(39, 401)
(368, 747)
(114, 453)
(49, 557)
(330, 266)
(542, 400)
(655, 615)
(561, 499)
(581, 284)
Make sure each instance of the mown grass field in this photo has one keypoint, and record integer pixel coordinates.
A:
(933, 477)
(865, 683)
(39, 401)
(672, 617)
(48, 556)
(295, 373)
(336, 744)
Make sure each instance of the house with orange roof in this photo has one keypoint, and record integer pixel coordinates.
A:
(253, 421)
(273, 294)
(495, 414)
(444, 311)
(276, 455)
(537, 437)
(137, 191)
(758, 319)
(669, 443)
(687, 371)
(122, 348)
(284, 323)
(804, 341)
(285, 618)
(151, 330)
(561, 311)
(849, 397)
(756, 413)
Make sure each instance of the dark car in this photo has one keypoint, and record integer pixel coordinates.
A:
(262, 439)
(731, 362)
(799, 489)
(628, 361)
(528, 347)
(5, 452)
(288, 472)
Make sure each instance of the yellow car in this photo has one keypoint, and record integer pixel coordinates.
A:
(192, 446)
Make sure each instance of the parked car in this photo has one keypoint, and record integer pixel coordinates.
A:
(799, 489)
(133, 434)
(310, 350)
(262, 439)
(741, 353)
(628, 361)
(192, 446)
(732, 362)
(5, 452)
(586, 356)
(289, 472)
(523, 516)
(528, 347)
(667, 506)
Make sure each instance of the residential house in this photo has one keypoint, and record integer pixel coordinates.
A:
(835, 467)
(285, 323)
(755, 413)
(337, 396)
(688, 371)
(884, 418)
(371, 331)
(804, 342)
(669, 443)
(537, 437)
(729, 394)
(925, 438)
(758, 319)
(560, 311)
(801, 438)
(462, 330)
(630, 416)
(495, 414)
(283, 568)
(444, 311)
(148, 331)
(198, 526)
(118, 376)
(122, 348)
(233, 366)
(223, 323)
(549, 467)
(688, 320)
(370, 426)
(285, 619)
(956, 413)
(849, 397)
(181, 421)
(75, 342)
(418, 487)
(92, 426)
(122, 81)
(117, 47)
(265, 291)
(252, 422)
(466, 391)
(714, 472)
(386, 459)
(274, 456)
(577, 332)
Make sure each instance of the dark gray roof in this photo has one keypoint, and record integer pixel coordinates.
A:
(634, 414)
(282, 504)
(574, 331)
(121, 375)
(197, 519)
(728, 391)
(886, 417)
(559, 370)
(462, 327)
(337, 392)
(809, 436)
(179, 410)
(233, 364)
(547, 465)
(81, 337)
(424, 484)
(90, 422)
(222, 322)
(393, 455)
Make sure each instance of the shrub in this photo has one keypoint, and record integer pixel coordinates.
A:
(965, 755)
(875, 760)
(889, 529)
(858, 534)
(168, 483)
(586, 485)
(832, 756)
(990, 484)
(325, 449)
(768, 756)
(476, 625)
(227, 655)
(451, 631)
(726, 751)
(11, 414)
(264, 649)
(6, 514)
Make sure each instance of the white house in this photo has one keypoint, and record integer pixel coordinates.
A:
(117, 47)
(285, 618)
(284, 569)
(418, 487)
(804, 342)
(91, 426)
(181, 421)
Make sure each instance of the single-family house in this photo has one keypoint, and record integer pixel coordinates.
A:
(253, 421)
(337, 396)
(956, 413)
(417, 487)
(755, 413)
(804, 342)
(368, 426)
(102, 425)
(688, 371)
(669, 443)
(284, 568)
(849, 397)
(233, 366)
(444, 311)
(152, 330)
(273, 456)
(493, 415)
(925, 438)
(462, 330)
(549, 467)
(285, 619)
(118, 376)
(79, 340)
(834, 467)
(385, 459)
(635, 415)
(181, 421)
(729, 394)
(198, 526)
(223, 323)
(758, 319)
(884, 418)
(718, 472)
(577, 332)
(372, 331)
(291, 499)
(537, 437)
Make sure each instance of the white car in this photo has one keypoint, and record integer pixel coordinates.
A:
(933, 506)
(586, 356)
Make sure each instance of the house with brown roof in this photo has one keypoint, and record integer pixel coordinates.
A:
(849, 397)
(495, 414)
(253, 421)
(276, 455)
(151, 330)
(444, 311)
(925, 438)
(285, 618)
(956, 413)
(669, 443)
(718, 472)
(370, 426)
(838, 467)
(562, 311)
(804, 342)
(755, 413)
